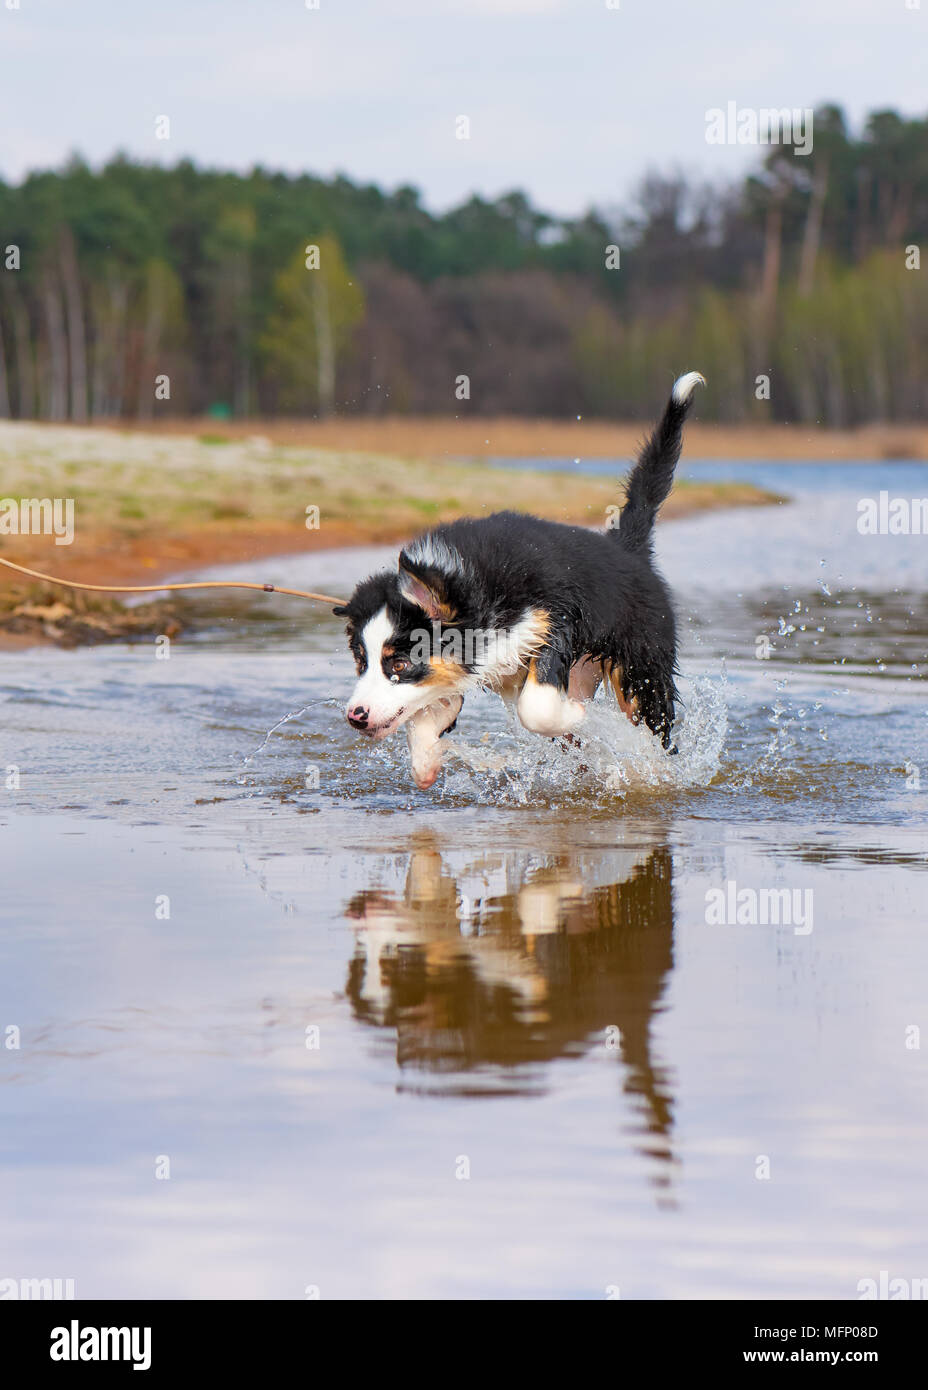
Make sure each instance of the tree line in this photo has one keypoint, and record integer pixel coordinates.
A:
(137, 291)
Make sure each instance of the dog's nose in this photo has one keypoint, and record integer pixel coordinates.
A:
(357, 717)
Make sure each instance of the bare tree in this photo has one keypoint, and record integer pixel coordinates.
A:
(4, 387)
(25, 367)
(812, 231)
(56, 362)
(77, 349)
(110, 309)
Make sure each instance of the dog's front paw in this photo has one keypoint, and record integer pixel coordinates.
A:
(423, 732)
(425, 777)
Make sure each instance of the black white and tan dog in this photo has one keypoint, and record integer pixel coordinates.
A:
(538, 611)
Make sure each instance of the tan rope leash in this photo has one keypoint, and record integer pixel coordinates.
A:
(160, 588)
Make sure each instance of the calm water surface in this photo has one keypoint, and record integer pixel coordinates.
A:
(535, 1068)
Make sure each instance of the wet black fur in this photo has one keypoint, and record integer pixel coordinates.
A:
(605, 597)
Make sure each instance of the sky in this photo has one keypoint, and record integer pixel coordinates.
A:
(569, 100)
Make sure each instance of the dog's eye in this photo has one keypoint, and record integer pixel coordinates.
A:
(399, 664)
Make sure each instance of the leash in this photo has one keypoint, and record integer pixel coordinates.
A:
(160, 588)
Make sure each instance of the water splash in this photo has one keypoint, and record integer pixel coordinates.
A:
(612, 757)
(293, 714)
(286, 719)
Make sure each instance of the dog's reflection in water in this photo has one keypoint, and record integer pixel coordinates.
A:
(489, 969)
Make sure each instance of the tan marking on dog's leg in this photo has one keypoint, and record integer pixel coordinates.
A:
(543, 709)
(423, 732)
(510, 688)
(628, 707)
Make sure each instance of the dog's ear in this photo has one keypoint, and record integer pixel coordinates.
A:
(425, 587)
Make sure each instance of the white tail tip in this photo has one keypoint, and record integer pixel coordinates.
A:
(685, 385)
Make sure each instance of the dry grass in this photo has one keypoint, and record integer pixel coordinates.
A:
(439, 437)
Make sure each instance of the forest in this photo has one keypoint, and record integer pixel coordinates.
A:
(137, 291)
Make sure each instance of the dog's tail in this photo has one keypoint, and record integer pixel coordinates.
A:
(652, 476)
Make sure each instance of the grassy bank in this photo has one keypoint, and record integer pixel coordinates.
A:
(150, 504)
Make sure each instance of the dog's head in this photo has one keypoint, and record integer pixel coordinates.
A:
(395, 625)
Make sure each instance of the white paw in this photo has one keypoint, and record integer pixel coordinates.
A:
(545, 710)
(423, 733)
(425, 777)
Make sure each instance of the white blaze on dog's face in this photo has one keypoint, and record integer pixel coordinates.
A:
(401, 669)
(412, 650)
(391, 687)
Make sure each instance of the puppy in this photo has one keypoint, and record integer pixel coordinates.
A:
(538, 611)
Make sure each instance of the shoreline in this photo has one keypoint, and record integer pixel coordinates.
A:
(131, 561)
(147, 506)
(219, 546)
